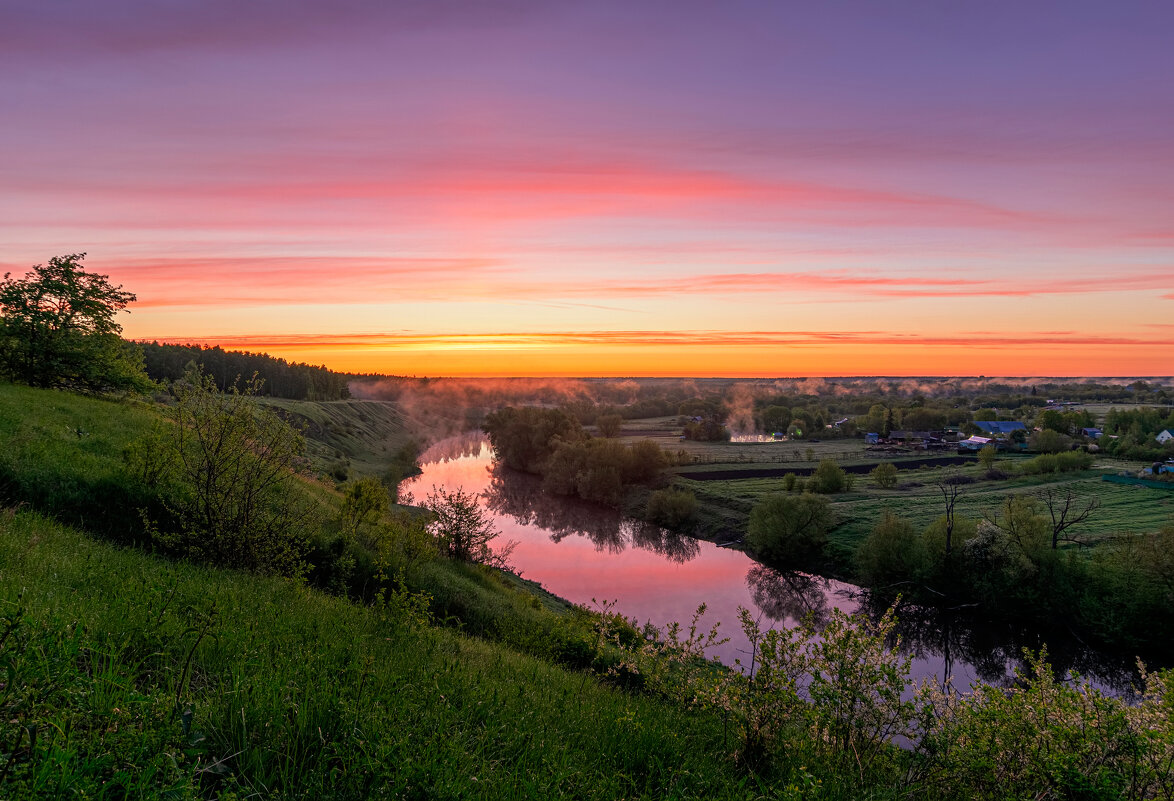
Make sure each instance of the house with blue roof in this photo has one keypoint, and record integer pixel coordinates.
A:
(997, 427)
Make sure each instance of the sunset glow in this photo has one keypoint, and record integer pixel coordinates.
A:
(537, 188)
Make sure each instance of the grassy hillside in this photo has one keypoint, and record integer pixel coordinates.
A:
(357, 435)
(148, 679)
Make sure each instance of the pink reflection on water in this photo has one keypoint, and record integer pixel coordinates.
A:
(646, 585)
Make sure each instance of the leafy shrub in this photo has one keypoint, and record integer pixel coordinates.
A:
(609, 425)
(829, 478)
(671, 507)
(884, 475)
(788, 530)
(892, 552)
(230, 463)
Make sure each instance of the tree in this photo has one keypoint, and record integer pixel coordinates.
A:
(609, 425)
(463, 529)
(829, 478)
(951, 490)
(789, 529)
(1064, 514)
(363, 503)
(986, 457)
(59, 330)
(892, 553)
(233, 460)
(671, 507)
(884, 475)
(776, 418)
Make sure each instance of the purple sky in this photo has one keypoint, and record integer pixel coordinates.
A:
(287, 175)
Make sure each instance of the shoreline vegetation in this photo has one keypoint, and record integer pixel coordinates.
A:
(193, 604)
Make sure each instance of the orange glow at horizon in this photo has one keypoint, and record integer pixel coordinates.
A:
(530, 358)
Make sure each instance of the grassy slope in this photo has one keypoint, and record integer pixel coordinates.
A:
(362, 434)
(299, 695)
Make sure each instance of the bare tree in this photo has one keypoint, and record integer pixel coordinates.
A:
(951, 490)
(1066, 511)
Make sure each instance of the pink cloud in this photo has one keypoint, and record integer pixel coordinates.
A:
(200, 281)
(671, 339)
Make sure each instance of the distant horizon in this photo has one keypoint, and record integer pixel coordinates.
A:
(1127, 378)
(612, 189)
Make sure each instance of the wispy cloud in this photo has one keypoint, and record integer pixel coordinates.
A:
(505, 339)
(311, 280)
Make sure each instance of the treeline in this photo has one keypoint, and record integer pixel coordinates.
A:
(1132, 433)
(552, 443)
(282, 379)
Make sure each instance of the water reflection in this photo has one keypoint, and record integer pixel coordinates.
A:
(790, 596)
(471, 443)
(520, 497)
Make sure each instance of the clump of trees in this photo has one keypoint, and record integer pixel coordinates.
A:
(707, 429)
(59, 329)
(1065, 462)
(789, 530)
(598, 470)
(552, 443)
(524, 437)
(1026, 559)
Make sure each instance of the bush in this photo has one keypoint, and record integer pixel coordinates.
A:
(226, 470)
(891, 553)
(671, 507)
(609, 425)
(884, 475)
(1049, 441)
(788, 530)
(829, 478)
(1069, 461)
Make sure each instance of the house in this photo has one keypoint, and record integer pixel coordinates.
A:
(999, 427)
(1092, 433)
(912, 439)
(974, 443)
(871, 438)
(1165, 436)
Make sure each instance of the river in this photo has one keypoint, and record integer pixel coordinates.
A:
(591, 555)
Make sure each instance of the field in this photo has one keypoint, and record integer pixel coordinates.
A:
(1123, 509)
(726, 504)
(665, 432)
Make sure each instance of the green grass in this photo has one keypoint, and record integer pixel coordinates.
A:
(665, 432)
(358, 434)
(1122, 509)
(292, 694)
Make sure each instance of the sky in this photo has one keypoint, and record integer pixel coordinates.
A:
(608, 188)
